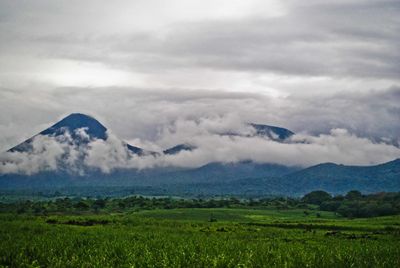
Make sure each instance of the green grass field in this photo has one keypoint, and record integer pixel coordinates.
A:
(199, 238)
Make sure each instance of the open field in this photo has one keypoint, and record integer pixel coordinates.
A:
(199, 238)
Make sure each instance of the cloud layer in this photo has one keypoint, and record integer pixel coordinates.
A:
(356, 38)
(140, 116)
(62, 153)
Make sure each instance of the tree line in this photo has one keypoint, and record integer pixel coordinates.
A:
(353, 204)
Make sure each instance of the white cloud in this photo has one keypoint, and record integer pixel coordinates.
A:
(340, 146)
(108, 154)
(45, 154)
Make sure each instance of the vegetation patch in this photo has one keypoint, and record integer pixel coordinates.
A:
(140, 232)
(88, 222)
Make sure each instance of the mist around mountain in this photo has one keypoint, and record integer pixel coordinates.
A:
(79, 128)
(79, 154)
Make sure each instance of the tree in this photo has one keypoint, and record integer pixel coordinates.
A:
(99, 203)
(353, 195)
(81, 205)
(316, 197)
(331, 205)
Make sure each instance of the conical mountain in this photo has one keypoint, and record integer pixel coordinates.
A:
(73, 122)
(75, 125)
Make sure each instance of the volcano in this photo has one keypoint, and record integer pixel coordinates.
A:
(82, 129)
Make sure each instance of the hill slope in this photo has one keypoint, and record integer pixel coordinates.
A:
(340, 178)
(246, 178)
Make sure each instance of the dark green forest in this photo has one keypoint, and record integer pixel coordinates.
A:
(353, 205)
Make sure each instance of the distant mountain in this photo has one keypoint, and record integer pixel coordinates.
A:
(272, 132)
(278, 134)
(337, 179)
(170, 180)
(227, 172)
(241, 178)
(178, 148)
(73, 124)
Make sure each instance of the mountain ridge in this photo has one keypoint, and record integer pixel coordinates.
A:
(244, 177)
(95, 130)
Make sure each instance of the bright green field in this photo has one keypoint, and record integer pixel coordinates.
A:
(187, 238)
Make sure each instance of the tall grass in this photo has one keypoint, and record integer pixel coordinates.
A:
(139, 241)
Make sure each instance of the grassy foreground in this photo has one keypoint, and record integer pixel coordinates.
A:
(199, 238)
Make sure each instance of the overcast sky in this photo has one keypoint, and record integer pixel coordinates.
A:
(141, 66)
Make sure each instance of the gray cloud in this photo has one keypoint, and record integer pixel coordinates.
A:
(334, 38)
(142, 116)
(146, 69)
(341, 39)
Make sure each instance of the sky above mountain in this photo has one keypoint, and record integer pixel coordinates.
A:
(156, 72)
